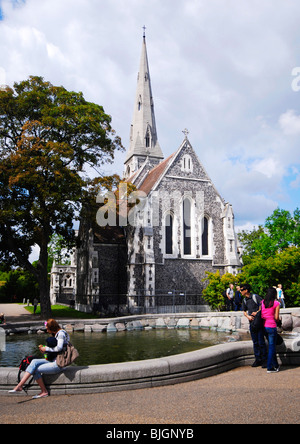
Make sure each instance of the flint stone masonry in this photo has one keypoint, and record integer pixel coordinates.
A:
(183, 323)
(98, 328)
(120, 326)
(217, 321)
(296, 321)
(111, 328)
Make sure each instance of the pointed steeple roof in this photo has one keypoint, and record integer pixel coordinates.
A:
(143, 135)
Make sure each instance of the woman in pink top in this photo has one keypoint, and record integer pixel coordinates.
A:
(270, 313)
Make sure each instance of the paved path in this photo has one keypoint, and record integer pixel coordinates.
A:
(17, 313)
(241, 396)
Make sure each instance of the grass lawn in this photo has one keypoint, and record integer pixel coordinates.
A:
(62, 311)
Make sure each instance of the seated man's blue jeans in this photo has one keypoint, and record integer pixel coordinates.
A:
(259, 345)
(38, 367)
(272, 339)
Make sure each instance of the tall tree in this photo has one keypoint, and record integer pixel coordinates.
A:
(47, 137)
(281, 231)
(272, 255)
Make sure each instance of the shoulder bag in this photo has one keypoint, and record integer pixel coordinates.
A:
(67, 356)
(257, 323)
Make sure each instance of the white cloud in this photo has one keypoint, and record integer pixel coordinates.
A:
(290, 123)
(296, 182)
(220, 68)
(269, 167)
(35, 253)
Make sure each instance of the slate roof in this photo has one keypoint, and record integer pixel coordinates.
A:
(154, 175)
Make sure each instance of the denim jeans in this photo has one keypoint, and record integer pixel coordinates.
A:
(282, 303)
(259, 345)
(38, 367)
(272, 339)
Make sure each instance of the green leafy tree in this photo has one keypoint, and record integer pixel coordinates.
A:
(18, 284)
(58, 250)
(213, 294)
(293, 294)
(281, 268)
(247, 239)
(48, 136)
(271, 257)
(281, 231)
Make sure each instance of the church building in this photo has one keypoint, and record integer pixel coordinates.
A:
(180, 227)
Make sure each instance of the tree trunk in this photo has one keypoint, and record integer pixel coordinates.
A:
(43, 282)
(45, 296)
(41, 272)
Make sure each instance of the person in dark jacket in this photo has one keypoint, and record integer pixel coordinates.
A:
(238, 299)
(250, 306)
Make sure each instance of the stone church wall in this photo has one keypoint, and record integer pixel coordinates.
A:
(183, 275)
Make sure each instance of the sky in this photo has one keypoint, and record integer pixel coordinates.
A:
(227, 70)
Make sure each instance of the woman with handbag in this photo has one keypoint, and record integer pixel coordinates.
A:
(270, 314)
(42, 366)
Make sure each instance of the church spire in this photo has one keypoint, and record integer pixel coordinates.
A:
(143, 135)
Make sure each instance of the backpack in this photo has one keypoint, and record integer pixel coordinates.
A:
(257, 323)
(254, 297)
(256, 300)
(22, 368)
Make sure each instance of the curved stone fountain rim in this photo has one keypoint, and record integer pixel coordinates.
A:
(150, 373)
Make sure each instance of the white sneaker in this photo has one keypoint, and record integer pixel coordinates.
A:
(274, 370)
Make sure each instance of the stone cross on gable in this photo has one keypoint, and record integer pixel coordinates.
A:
(186, 132)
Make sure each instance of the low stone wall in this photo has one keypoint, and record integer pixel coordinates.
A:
(156, 372)
(150, 373)
(220, 321)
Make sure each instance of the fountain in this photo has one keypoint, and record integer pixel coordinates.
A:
(170, 368)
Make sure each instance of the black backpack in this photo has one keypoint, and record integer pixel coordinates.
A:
(22, 368)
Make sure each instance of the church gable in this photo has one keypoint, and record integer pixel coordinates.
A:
(186, 209)
(186, 164)
(182, 170)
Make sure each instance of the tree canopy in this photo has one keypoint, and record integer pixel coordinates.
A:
(281, 231)
(48, 136)
(271, 256)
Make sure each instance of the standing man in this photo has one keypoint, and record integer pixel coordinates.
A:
(35, 304)
(250, 307)
(229, 301)
(280, 296)
(238, 299)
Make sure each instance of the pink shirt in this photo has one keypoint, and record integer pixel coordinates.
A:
(268, 314)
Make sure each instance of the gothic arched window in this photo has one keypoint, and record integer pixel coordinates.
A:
(205, 237)
(187, 164)
(169, 234)
(147, 138)
(140, 103)
(187, 238)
